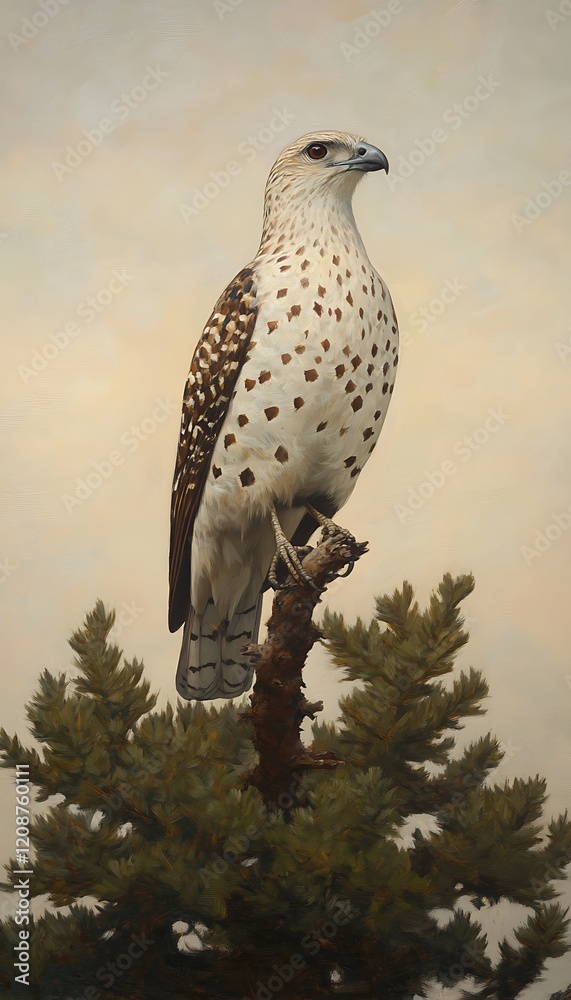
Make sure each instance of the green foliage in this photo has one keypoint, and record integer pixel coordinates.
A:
(155, 826)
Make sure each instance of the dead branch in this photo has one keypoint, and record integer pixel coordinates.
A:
(278, 705)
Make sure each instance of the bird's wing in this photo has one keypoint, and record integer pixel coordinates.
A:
(214, 369)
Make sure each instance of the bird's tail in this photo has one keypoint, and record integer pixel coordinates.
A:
(211, 664)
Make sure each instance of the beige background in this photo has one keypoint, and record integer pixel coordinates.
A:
(259, 73)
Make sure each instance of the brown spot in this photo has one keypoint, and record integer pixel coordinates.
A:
(365, 289)
(385, 388)
(247, 477)
(321, 252)
(216, 472)
(318, 359)
(311, 375)
(374, 350)
(330, 311)
(391, 389)
(346, 350)
(355, 472)
(298, 402)
(264, 377)
(299, 251)
(361, 313)
(387, 345)
(321, 291)
(343, 431)
(272, 325)
(356, 361)
(286, 358)
(368, 386)
(249, 383)
(229, 439)
(357, 403)
(350, 461)
(300, 349)
(285, 267)
(271, 412)
(350, 386)
(304, 264)
(325, 344)
(347, 274)
(339, 279)
(304, 282)
(281, 293)
(370, 369)
(394, 329)
(368, 433)
(377, 414)
(395, 362)
(349, 298)
(373, 293)
(335, 259)
(340, 370)
(242, 420)
(338, 315)
(318, 308)
(281, 454)
(294, 311)
(283, 257)
(380, 314)
(322, 425)
(385, 367)
(363, 333)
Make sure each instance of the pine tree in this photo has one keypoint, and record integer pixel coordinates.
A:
(171, 876)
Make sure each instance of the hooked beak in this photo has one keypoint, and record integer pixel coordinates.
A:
(366, 158)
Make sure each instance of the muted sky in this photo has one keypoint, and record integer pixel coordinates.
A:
(134, 154)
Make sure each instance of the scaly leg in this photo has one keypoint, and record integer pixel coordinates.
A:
(290, 556)
(330, 528)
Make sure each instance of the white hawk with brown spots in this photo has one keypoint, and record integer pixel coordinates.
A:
(288, 389)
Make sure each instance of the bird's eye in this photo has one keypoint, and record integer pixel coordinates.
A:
(316, 151)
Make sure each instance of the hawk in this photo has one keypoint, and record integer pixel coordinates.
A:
(288, 389)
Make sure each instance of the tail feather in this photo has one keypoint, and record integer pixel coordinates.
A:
(211, 664)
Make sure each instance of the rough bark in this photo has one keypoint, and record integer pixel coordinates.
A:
(278, 705)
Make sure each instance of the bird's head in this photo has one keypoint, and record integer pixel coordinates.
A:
(325, 160)
(317, 169)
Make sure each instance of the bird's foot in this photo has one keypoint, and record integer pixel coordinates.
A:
(331, 529)
(291, 556)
